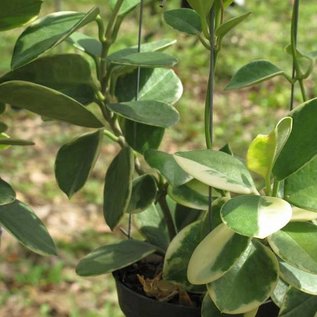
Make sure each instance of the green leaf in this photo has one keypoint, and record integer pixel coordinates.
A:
(14, 14)
(85, 43)
(300, 188)
(209, 309)
(22, 223)
(165, 163)
(112, 257)
(216, 254)
(142, 137)
(157, 84)
(193, 194)
(184, 20)
(7, 194)
(145, 59)
(303, 214)
(298, 304)
(126, 7)
(48, 32)
(75, 160)
(148, 112)
(68, 73)
(279, 292)
(227, 26)
(254, 73)
(264, 149)
(118, 187)
(151, 224)
(178, 254)
(256, 216)
(184, 216)
(296, 244)
(233, 293)
(47, 102)
(144, 190)
(300, 147)
(303, 281)
(202, 7)
(217, 169)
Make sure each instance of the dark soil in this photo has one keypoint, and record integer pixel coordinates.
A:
(149, 268)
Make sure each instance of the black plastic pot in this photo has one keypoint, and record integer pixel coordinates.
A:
(134, 304)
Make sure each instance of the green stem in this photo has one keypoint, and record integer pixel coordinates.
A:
(167, 216)
(296, 73)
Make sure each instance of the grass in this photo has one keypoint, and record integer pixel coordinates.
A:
(37, 286)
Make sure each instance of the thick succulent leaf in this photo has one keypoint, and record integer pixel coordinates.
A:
(179, 252)
(296, 244)
(303, 214)
(202, 7)
(118, 187)
(301, 280)
(217, 169)
(85, 43)
(184, 216)
(209, 309)
(193, 194)
(158, 84)
(14, 14)
(152, 226)
(145, 59)
(300, 147)
(230, 24)
(298, 304)
(148, 112)
(165, 163)
(216, 254)
(48, 32)
(142, 137)
(18, 219)
(254, 73)
(256, 216)
(126, 6)
(7, 194)
(233, 293)
(112, 257)
(68, 73)
(264, 149)
(279, 292)
(184, 20)
(75, 160)
(143, 194)
(146, 47)
(300, 189)
(47, 102)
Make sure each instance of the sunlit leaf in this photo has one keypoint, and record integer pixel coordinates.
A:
(48, 32)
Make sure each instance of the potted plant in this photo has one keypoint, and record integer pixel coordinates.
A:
(205, 224)
(15, 216)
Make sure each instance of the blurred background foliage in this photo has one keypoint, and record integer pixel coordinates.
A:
(36, 286)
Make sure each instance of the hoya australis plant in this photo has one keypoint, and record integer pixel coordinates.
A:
(221, 234)
(262, 241)
(15, 216)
